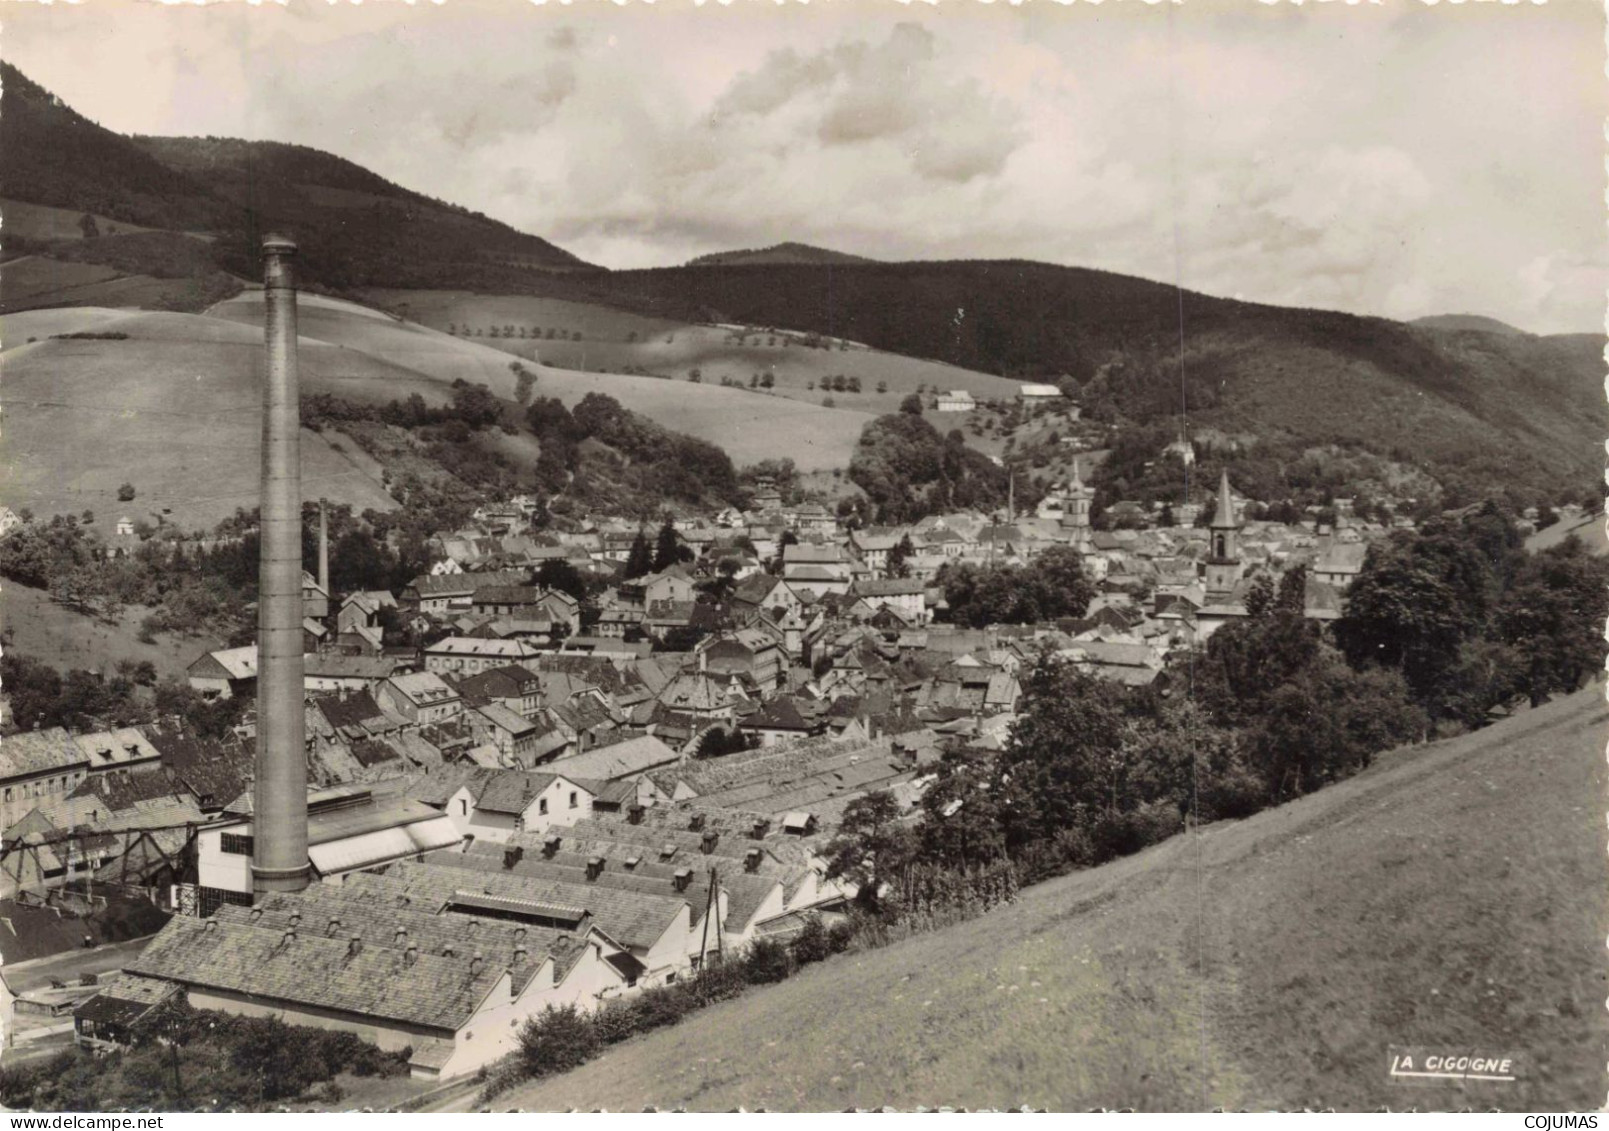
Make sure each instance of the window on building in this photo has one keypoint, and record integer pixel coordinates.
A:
(235, 844)
(542, 807)
(463, 807)
(213, 898)
(573, 799)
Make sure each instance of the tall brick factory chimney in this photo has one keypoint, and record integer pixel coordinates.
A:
(279, 800)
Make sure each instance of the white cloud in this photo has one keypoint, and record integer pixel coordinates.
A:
(1386, 160)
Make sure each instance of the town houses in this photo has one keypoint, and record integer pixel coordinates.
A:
(534, 748)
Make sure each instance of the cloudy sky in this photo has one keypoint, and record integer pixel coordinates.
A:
(1399, 159)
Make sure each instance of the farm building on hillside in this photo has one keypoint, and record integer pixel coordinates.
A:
(1038, 394)
(956, 400)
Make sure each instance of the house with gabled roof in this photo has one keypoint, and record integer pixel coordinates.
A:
(907, 596)
(781, 720)
(333, 671)
(38, 766)
(468, 655)
(747, 652)
(362, 609)
(511, 685)
(493, 805)
(421, 698)
(225, 673)
(513, 735)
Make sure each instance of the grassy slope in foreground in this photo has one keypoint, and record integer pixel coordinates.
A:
(1450, 894)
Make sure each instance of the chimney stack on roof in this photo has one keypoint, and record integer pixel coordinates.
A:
(279, 857)
(323, 549)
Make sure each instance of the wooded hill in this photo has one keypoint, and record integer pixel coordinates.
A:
(355, 227)
(1474, 408)
(1467, 406)
(788, 252)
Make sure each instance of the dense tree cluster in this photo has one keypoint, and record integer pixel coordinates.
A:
(187, 1059)
(648, 463)
(1052, 585)
(81, 700)
(1471, 622)
(908, 470)
(471, 406)
(201, 587)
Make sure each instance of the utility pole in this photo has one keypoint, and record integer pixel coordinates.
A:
(712, 911)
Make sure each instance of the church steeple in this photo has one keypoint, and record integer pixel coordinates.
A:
(1223, 563)
(1079, 498)
(1224, 517)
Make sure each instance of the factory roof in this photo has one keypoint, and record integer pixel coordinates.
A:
(299, 967)
(622, 759)
(39, 752)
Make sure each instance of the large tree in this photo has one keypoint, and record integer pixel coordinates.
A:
(1054, 775)
(1553, 617)
(872, 845)
(639, 559)
(1417, 599)
(1329, 722)
(668, 548)
(558, 574)
(899, 558)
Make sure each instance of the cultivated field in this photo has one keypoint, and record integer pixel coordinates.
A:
(615, 340)
(750, 426)
(42, 222)
(1590, 530)
(1451, 895)
(174, 410)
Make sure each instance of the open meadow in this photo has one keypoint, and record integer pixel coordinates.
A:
(41, 629)
(173, 409)
(749, 426)
(618, 340)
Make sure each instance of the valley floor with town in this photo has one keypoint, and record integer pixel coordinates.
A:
(569, 766)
